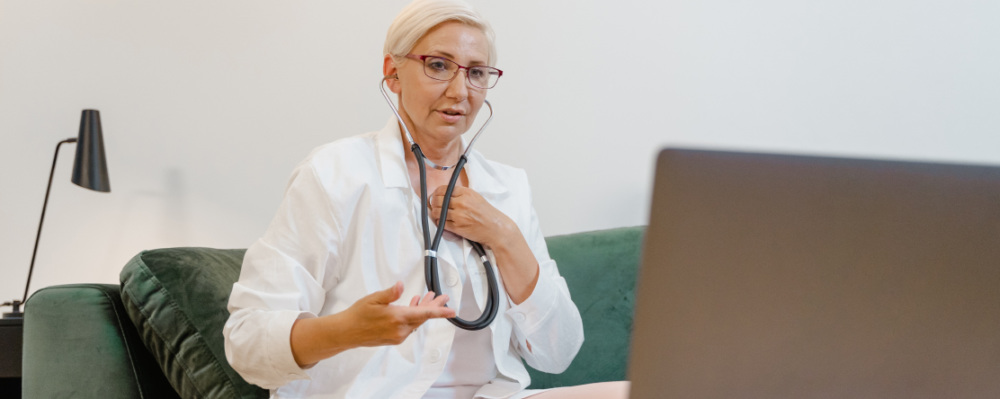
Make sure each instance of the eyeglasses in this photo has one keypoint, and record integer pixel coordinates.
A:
(440, 68)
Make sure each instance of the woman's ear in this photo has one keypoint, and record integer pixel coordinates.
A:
(389, 69)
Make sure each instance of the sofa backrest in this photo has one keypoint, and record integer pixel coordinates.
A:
(175, 300)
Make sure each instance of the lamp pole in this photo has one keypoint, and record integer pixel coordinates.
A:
(45, 205)
(17, 313)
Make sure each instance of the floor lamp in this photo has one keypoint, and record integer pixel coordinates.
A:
(90, 170)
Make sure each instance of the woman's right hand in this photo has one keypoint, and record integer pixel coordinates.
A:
(377, 322)
(371, 321)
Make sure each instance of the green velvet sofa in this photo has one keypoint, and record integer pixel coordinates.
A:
(159, 333)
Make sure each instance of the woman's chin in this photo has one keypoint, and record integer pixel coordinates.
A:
(448, 130)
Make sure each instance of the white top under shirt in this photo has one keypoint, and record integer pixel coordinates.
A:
(348, 226)
(470, 363)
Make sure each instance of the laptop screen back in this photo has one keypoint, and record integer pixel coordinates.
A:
(770, 276)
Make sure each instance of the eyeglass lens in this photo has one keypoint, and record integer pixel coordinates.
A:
(483, 77)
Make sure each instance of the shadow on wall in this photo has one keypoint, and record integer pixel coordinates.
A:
(162, 214)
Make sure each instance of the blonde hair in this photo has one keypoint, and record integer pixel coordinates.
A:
(420, 16)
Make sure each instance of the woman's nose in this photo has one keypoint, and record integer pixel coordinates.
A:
(458, 86)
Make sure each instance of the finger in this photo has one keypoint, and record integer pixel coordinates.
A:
(415, 300)
(428, 297)
(439, 191)
(417, 316)
(457, 191)
(437, 197)
(388, 295)
(441, 300)
(435, 207)
(440, 313)
(437, 200)
(429, 307)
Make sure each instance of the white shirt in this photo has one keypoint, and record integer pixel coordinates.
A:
(349, 226)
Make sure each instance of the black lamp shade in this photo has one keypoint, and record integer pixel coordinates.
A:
(90, 168)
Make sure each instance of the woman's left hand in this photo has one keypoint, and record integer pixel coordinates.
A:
(471, 216)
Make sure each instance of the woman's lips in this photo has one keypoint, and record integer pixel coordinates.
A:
(451, 116)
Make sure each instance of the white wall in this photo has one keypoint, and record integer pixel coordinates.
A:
(207, 105)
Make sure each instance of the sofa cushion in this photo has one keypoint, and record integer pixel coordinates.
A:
(177, 297)
(600, 270)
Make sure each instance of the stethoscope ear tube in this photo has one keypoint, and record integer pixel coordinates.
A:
(406, 130)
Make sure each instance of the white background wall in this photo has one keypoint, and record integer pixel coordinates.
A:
(207, 105)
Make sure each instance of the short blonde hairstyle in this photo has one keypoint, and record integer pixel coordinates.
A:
(420, 16)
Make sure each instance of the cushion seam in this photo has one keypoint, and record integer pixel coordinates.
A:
(128, 348)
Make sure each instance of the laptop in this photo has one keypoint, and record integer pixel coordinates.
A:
(779, 276)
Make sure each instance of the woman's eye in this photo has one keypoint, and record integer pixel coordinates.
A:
(477, 73)
(437, 64)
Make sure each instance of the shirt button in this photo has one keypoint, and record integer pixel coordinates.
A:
(435, 356)
(453, 279)
(519, 316)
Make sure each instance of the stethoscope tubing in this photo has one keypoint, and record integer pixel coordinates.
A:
(430, 246)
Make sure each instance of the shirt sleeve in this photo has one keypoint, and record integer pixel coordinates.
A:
(547, 326)
(281, 281)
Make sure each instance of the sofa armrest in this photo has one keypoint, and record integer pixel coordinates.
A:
(80, 343)
(600, 269)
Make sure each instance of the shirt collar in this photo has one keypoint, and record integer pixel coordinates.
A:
(391, 161)
(482, 176)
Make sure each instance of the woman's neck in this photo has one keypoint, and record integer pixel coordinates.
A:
(440, 152)
(435, 177)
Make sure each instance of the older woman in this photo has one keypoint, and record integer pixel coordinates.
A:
(311, 315)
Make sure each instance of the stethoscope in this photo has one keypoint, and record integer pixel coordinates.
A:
(431, 247)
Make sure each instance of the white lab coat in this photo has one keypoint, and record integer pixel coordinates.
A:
(349, 226)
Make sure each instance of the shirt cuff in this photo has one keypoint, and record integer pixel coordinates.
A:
(279, 356)
(530, 315)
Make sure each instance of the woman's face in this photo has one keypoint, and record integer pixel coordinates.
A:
(435, 111)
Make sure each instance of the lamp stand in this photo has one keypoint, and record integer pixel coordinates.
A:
(17, 313)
